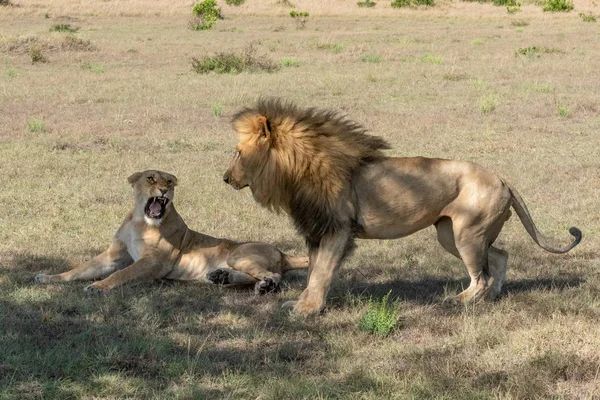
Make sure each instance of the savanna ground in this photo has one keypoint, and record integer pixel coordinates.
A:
(446, 81)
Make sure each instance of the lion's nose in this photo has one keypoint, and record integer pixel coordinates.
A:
(226, 179)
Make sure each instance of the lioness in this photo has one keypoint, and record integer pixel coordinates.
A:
(337, 185)
(153, 243)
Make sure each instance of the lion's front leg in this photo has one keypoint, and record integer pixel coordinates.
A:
(332, 249)
(104, 264)
(144, 269)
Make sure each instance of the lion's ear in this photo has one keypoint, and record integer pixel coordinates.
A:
(133, 178)
(264, 127)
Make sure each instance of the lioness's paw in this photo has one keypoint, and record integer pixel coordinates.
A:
(218, 276)
(94, 290)
(41, 278)
(266, 285)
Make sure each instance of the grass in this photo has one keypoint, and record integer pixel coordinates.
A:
(289, 62)
(488, 104)
(381, 317)
(36, 125)
(63, 28)
(371, 58)
(558, 5)
(587, 17)
(563, 111)
(67, 195)
(233, 63)
(428, 58)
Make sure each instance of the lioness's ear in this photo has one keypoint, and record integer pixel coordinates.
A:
(133, 178)
(174, 180)
(264, 127)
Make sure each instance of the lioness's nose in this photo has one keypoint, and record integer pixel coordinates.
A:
(163, 190)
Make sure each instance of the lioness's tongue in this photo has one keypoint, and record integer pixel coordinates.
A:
(155, 208)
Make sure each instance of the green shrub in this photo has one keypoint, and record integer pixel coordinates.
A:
(206, 13)
(558, 5)
(366, 3)
(234, 2)
(289, 62)
(411, 3)
(231, 63)
(519, 23)
(63, 28)
(587, 18)
(563, 111)
(514, 9)
(381, 317)
(36, 125)
(301, 18)
(217, 110)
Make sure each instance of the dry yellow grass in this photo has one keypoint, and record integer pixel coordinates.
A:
(135, 103)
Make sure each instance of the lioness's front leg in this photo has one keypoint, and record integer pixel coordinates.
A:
(143, 269)
(104, 264)
(330, 254)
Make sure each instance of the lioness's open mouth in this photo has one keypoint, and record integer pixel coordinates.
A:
(155, 207)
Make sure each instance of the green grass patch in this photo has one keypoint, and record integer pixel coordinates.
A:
(411, 3)
(477, 42)
(487, 104)
(37, 55)
(63, 28)
(519, 23)
(563, 111)
(371, 58)
(98, 68)
(366, 4)
(587, 17)
(234, 2)
(429, 58)
(289, 62)
(36, 125)
(216, 110)
(382, 317)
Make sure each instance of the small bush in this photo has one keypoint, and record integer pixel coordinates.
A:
(563, 111)
(206, 13)
(381, 317)
(36, 125)
(37, 55)
(371, 58)
(231, 63)
(301, 18)
(63, 28)
(289, 62)
(587, 18)
(234, 2)
(558, 5)
(366, 3)
(487, 104)
(411, 3)
(514, 9)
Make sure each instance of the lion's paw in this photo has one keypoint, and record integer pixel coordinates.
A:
(218, 276)
(94, 290)
(266, 285)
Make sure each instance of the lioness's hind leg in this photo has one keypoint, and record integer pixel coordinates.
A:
(229, 277)
(261, 261)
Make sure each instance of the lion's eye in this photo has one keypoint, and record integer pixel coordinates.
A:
(237, 154)
(150, 179)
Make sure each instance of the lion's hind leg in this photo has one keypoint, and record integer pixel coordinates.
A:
(261, 261)
(487, 265)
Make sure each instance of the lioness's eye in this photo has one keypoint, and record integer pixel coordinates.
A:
(169, 182)
(150, 179)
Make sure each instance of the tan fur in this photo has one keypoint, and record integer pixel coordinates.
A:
(145, 249)
(336, 184)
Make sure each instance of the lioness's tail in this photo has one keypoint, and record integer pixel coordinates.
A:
(293, 262)
(519, 205)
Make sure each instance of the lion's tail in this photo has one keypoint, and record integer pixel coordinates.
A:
(293, 262)
(519, 206)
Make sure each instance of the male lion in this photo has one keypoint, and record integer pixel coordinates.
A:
(337, 185)
(153, 243)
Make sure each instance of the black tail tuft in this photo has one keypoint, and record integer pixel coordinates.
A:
(577, 234)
